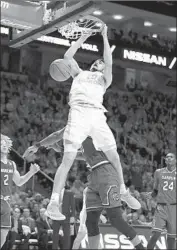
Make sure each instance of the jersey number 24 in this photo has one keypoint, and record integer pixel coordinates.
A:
(168, 186)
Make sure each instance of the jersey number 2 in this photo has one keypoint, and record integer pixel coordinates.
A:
(6, 178)
(168, 186)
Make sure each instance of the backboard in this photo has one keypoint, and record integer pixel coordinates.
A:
(35, 19)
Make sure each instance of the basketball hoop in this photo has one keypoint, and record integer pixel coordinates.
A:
(85, 25)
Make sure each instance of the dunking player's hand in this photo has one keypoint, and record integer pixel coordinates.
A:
(34, 168)
(30, 151)
(87, 33)
(104, 31)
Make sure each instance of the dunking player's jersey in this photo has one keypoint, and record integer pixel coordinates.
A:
(93, 157)
(7, 171)
(88, 88)
(166, 186)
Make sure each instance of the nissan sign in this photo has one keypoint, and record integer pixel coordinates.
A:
(151, 59)
(112, 239)
(144, 57)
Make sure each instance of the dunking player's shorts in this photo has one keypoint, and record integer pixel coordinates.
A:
(165, 219)
(103, 188)
(89, 121)
(5, 214)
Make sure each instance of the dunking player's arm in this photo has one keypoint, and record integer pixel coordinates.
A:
(20, 180)
(107, 56)
(69, 55)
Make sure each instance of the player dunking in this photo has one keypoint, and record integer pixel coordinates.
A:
(87, 118)
(103, 192)
(165, 193)
(9, 174)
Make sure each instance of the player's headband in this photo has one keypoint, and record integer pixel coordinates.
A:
(7, 141)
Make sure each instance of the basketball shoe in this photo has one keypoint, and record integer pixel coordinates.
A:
(53, 211)
(131, 201)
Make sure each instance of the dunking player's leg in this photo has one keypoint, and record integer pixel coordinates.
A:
(59, 183)
(114, 159)
(104, 140)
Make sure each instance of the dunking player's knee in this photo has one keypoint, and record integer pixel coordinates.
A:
(70, 146)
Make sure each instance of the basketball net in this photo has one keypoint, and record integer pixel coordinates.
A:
(75, 29)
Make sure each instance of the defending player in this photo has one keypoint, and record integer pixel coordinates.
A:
(103, 191)
(87, 118)
(9, 174)
(165, 193)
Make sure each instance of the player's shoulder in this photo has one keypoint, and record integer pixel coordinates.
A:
(160, 170)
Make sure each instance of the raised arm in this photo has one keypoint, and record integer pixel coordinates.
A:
(75, 69)
(20, 180)
(107, 56)
(74, 48)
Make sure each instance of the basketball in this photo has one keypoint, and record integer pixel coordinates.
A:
(60, 70)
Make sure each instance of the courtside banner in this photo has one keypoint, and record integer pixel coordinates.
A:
(112, 239)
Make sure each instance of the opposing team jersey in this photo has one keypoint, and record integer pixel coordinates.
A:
(89, 88)
(7, 171)
(93, 157)
(166, 181)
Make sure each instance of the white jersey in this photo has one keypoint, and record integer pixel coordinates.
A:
(88, 88)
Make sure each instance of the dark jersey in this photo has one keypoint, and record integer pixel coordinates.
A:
(92, 156)
(165, 182)
(7, 171)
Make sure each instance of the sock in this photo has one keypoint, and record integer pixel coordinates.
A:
(55, 198)
(123, 189)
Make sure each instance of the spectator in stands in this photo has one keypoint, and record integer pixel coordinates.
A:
(29, 231)
(44, 230)
(68, 209)
(134, 219)
(35, 211)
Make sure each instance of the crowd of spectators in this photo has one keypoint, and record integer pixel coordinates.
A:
(27, 210)
(148, 42)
